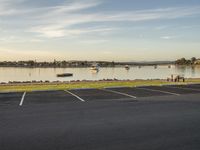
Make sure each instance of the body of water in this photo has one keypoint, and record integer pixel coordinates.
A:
(145, 72)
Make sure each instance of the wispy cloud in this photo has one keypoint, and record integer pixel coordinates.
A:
(8, 7)
(93, 41)
(163, 27)
(53, 31)
(68, 20)
(16, 39)
(60, 20)
(142, 15)
(168, 37)
(70, 8)
(146, 15)
(12, 54)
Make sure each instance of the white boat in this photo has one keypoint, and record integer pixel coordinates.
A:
(95, 67)
(127, 67)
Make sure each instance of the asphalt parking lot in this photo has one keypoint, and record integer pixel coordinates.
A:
(139, 118)
(85, 95)
(44, 97)
(8, 99)
(174, 89)
(96, 94)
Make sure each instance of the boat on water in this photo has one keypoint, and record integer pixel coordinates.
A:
(65, 75)
(127, 67)
(95, 67)
(94, 71)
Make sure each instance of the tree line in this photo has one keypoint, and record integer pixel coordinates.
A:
(54, 63)
(184, 61)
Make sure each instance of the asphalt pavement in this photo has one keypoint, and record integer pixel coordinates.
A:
(142, 118)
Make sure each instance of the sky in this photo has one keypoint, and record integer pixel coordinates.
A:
(108, 30)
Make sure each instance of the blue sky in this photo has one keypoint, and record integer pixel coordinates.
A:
(128, 30)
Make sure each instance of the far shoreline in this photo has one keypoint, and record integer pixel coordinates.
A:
(116, 66)
(132, 65)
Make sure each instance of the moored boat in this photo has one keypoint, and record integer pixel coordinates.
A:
(95, 67)
(65, 75)
(127, 67)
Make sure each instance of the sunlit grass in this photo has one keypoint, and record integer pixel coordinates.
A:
(95, 84)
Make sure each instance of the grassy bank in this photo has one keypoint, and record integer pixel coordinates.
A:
(94, 84)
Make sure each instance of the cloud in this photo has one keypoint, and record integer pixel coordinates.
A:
(54, 31)
(63, 19)
(14, 39)
(70, 7)
(7, 7)
(168, 37)
(10, 7)
(93, 41)
(135, 16)
(146, 15)
(10, 54)
(161, 27)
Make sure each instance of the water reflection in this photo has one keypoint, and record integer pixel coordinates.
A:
(193, 70)
(181, 69)
(135, 72)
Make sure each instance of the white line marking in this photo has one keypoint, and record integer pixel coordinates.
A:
(22, 99)
(75, 95)
(119, 93)
(184, 88)
(160, 91)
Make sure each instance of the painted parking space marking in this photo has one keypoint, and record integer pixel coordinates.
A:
(75, 95)
(22, 99)
(171, 89)
(171, 93)
(116, 92)
(97, 94)
(136, 92)
(49, 97)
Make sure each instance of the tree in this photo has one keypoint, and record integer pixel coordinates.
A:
(112, 63)
(181, 61)
(31, 63)
(193, 59)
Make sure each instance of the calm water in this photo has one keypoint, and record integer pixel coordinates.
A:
(147, 72)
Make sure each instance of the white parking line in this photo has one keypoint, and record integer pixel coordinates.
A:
(160, 91)
(22, 99)
(184, 88)
(116, 92)
(75, 95)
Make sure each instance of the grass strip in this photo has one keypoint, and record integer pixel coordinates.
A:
(86, 84)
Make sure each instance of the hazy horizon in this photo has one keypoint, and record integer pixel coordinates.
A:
(94, 30)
